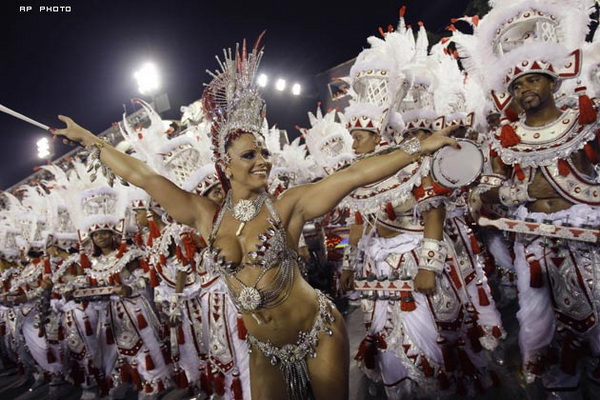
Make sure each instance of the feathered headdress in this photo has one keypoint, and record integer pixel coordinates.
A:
(232, 101)
(328, 141)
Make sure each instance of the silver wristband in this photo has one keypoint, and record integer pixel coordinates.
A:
(411, 147)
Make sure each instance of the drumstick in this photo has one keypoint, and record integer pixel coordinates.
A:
(22, 117)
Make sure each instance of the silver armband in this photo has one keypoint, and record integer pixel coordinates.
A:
(433, 255)
(411, 147)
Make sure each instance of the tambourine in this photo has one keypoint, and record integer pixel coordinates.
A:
(454, 168)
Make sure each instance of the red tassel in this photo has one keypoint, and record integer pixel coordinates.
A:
(189, 246)
(166, 354)
(482, 295)
(454, 276)
(205, 380)
(148, 387)
(519, 172)
(367, 352)
(407, 301)
(84, 261)
(219, 380)
(380, 341)
(426, 367)
(447, 355)
(125, 373)
(153, 278)
(474, 243)
(92, 281)
(135, 378)
(163, 259)
(474, 333)
(110, 338)
(141, 320)
(47, 267)
(508, 136)
(180, 257)
(180, 378)
(117, 278)
(5, 286)
(465, 362)
(236, 386)
(241, 327)
(144, 264)
(587, 111)
(563, 167)
(180, 335)
(536, 279)
(153, 228)
(570, 356)
(358, 219)
(160, 387)
(389, 210)
(511, 115)
(2, 329)
(122, 247)
(149, 363)
(51, 357)
(591, 153)
(138, 239)
(88, 326)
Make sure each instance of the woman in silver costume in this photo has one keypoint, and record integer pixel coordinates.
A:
(253, 238)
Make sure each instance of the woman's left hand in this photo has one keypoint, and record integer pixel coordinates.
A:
(438, 140)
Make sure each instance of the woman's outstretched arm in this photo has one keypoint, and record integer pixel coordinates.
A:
(186, 208)
(315, 199)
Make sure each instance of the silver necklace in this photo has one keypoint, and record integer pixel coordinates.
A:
(245, 210)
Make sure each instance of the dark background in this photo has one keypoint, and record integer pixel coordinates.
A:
(81, 63)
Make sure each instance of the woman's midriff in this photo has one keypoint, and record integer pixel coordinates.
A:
(281, 324)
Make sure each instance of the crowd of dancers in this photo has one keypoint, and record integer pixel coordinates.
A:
(109, 287)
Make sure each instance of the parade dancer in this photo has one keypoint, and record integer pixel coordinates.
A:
(551, 179)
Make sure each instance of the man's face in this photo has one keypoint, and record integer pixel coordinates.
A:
(533, 91)
(364, 141)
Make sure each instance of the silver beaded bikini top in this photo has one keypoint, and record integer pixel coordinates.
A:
(272, 252)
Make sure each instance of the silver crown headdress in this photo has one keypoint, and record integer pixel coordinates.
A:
(232, 101)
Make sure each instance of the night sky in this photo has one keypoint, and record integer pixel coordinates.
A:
(81, 63)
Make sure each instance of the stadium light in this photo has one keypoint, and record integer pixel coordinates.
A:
(296, 89)
(280, 85)
(147, 79)
(262, 80)
(43, 148)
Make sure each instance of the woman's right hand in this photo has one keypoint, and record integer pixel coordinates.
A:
(439, 139)
(73, 133)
